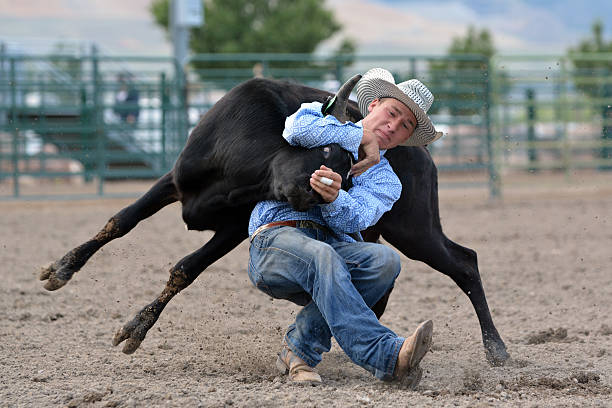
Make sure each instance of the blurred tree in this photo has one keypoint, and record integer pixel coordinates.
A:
(590, 72)
(347, 49)
(592, 75)
(474, 42)
(260, 26)
(460, 81)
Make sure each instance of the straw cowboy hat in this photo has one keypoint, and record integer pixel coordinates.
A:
(379, 83)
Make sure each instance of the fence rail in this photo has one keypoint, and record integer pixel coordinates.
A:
(556, 115)
(97, 118)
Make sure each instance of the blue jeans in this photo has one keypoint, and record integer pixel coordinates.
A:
(337, 282)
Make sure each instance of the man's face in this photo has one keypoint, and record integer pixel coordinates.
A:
(391, 121)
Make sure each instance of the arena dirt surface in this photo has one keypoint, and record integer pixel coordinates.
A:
(545, 262)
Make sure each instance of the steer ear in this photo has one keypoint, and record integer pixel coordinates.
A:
(337, 105)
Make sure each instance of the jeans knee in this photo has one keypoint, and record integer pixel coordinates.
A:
(391, 263)
(322, 252)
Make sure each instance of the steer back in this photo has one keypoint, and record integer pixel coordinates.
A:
(236, 155)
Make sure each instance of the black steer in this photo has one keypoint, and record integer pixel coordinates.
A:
(236, 157)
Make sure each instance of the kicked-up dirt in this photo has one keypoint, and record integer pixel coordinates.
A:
(545, 263)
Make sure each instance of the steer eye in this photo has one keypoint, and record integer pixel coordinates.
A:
(326, 152)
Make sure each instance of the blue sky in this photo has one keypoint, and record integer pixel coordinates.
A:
(517, 25)
(378, 26)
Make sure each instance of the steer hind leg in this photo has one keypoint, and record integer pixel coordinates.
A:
(181, 276)
(460, 264)
(160, 195)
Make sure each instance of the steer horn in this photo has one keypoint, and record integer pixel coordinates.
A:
(336, 105)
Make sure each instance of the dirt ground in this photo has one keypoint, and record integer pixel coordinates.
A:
(545, 263)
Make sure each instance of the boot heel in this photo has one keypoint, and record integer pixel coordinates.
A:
(281, 366)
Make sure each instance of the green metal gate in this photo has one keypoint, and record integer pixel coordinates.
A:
(101, 118)
(62, 116)
(555, 113)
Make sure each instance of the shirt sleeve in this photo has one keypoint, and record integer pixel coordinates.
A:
(309, 128)
(373, 193)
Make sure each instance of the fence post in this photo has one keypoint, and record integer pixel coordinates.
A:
(606, 131)
(563, 120)
(42, 122)
(494, 177)
(455, 140)
(84, 123)
(164, 106)
(182, 115)
(14, 127)
(339, 69)
(413, 67)
(97, 117)
(532, 154)
(3, 77)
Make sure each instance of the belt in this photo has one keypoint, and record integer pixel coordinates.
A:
(291, 223)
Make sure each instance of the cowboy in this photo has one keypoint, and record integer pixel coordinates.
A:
(311, 257)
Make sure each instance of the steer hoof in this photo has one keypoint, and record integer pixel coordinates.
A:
(45, 272)
(54, 283)
(496, 354)
(134, 332)
(131, 345)
(55, 276)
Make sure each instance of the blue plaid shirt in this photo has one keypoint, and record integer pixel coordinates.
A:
(373, 192)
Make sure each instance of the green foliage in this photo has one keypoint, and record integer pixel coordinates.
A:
(474, 42)
(259, 26)
(159, 9)
(590, 73)
(263, 26)
(460, 81)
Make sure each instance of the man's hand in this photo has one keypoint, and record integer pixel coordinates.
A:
(369, 153)
(320, 179)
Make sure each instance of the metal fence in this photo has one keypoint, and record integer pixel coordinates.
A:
(553, 113)
(93, 117)
(99, 118)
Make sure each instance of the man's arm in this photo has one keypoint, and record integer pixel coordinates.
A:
(309, 128)
(369, 153)
(362, 206)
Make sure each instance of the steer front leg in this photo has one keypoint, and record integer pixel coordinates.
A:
(181, 276)
(136, 330)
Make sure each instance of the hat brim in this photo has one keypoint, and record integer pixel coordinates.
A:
(376, 88)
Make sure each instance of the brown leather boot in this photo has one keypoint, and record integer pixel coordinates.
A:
(299, 372)
(407, 370)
